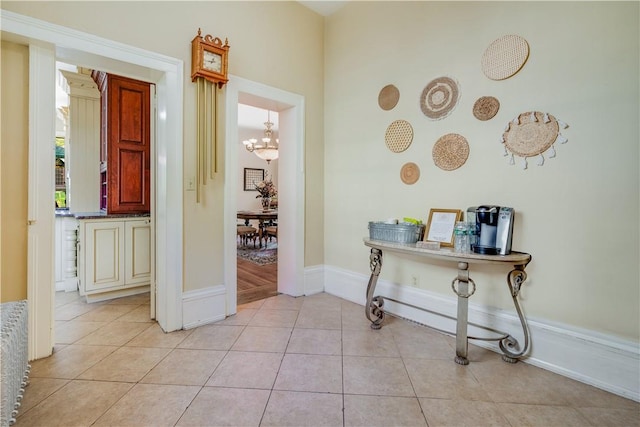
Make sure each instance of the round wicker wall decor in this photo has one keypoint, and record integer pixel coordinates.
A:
(485, 108)
(504, 57)
(450, 151)
(439, 98)
(531, 133)
(398, 136)
(388, 97)
(410, 173)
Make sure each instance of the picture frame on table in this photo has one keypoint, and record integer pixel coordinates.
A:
(440, 226)
(252, 176)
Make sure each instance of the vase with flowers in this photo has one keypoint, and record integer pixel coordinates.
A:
(267, 191)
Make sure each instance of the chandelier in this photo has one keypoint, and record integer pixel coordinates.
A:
(267, 148)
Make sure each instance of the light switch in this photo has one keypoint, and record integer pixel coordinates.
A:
(191, 186)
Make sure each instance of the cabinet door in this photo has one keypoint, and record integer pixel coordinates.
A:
(137, 252)
(128, 145)
(104, 252)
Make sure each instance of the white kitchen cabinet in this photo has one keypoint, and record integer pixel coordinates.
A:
(66, 267)
(115, 257)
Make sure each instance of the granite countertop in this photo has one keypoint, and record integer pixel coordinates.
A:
(99, 215)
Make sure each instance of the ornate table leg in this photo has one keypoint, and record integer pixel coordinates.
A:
(515, 279)
(374, 304)
(462, 342)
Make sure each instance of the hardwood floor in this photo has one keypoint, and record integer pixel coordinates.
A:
(256, 282)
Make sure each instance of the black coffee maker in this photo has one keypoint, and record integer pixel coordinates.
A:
(494, 227)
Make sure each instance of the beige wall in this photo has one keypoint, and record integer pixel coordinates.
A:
(577, 215)
(279, 44)
(14, 151)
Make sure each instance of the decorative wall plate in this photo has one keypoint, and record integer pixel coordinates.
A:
(410, 173)
(399, 136)
(504, 57)
(486, 107)
(450, 151)
(531, 134)
(388, 97)
(439, 98)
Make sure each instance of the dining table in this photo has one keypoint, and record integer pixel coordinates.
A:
(264, 217)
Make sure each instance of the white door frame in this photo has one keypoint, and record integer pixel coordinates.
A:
(291, 181)
(68, 45)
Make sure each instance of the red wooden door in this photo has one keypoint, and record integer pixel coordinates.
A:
(128, 138)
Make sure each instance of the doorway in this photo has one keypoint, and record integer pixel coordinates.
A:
(290, 109)
(257, 243)
(47, 43)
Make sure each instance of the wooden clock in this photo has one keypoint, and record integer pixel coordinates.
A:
(209, 59)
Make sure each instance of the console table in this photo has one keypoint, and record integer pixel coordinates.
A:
(462, 285)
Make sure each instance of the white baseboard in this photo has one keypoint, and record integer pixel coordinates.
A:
(106, 296)
(313, 280)
(596, 359)
(203, 306)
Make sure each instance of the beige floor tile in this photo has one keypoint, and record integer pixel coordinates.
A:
(287, 408)
(226, 407)
(72, 310)
(527, 384)
(542, 415)
(185, 367)
(141, 313)
(459, 412)
(584, 395)
(263, 339)
(353, 317)
(322, 301)
(319, 319)
(63, 298)
(73, 330)
(416, 341)
(212, 337)
(380, 376)
(282, 302)
(242, 317)
(376, 343)
(70, 361)
(274, 318)
(106, 313)
(254, 305)
(38, 390)
(246, 370)
(78, 403)
(315, 341)
(310, 372)
(114, 333)
(611, 417)
(126, 364)
(150, 405)
(132, 299)
(154, 336)
(444, 379)
(382, 411)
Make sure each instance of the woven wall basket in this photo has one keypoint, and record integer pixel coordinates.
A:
(504, 57)
(486, 108)
(388, 97)
(439, 98)
(398, 136)
(410, 173)
(450, 151)
(531, 134)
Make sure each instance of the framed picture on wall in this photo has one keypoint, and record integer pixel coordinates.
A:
(440, 225)
(252, 176)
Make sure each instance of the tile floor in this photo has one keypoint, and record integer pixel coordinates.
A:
(309, 361)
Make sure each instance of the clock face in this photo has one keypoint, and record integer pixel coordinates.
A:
(212, 62)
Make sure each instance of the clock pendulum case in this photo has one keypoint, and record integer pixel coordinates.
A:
(209, 70)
